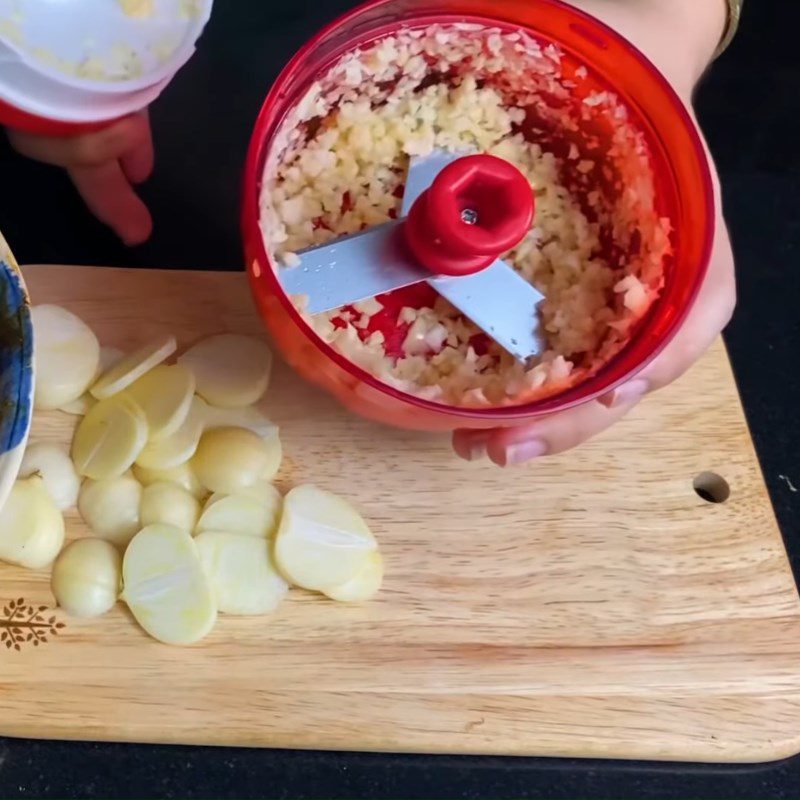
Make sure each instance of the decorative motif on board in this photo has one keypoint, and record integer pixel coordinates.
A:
(23, 624)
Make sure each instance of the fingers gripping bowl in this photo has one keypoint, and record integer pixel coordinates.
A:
(624, 205)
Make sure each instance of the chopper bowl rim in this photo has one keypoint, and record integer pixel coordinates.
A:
(576, 395)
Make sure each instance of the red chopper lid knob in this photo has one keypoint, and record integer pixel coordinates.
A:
(475, 210)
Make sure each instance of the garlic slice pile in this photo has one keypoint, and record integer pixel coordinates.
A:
(164, 453)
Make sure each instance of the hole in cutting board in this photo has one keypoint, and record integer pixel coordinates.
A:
(711, 487)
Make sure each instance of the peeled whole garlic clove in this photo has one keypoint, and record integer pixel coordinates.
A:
(31, 526)
(53, 464)
(111, 508)
(169, 504)
(86, 579)
(230, 459)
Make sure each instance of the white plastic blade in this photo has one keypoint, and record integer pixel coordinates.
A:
(501, 303)
(352, 268)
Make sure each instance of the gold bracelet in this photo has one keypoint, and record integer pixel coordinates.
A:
(732, 25)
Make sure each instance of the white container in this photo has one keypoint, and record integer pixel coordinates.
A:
(86, 61)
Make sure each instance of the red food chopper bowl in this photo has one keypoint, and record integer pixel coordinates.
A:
(681, 178)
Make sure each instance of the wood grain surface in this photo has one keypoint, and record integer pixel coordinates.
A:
(586, 605)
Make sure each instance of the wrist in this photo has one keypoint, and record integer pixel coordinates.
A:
(680, 36)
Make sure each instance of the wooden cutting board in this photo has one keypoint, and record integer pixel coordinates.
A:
(586, 605)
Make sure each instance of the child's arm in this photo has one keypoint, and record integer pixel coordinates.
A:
(104, 166)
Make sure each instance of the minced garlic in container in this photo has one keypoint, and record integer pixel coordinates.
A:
(596, 247)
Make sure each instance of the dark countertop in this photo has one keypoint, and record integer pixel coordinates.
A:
(750, 108)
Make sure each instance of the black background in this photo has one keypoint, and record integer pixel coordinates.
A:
(750, 108)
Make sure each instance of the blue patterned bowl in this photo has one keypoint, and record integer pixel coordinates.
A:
(16, 369)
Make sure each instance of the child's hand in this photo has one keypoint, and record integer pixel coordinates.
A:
(104, 166)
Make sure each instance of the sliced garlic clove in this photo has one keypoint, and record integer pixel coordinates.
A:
(178, 448)
(182, 475)
(53, 464)
(241, 573)
(111, 508)
(230, 459)
(322, 541)
(166, 587)
(262, 492)
(31, 527)
(231, 370)
(169, 504)
(248, 417)
(87, 577)
(66, 354)
(133, 366)
(239, 514)
(165, 396)
(109, 438)
(363, 586)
